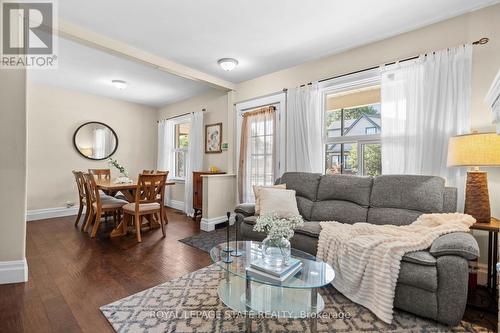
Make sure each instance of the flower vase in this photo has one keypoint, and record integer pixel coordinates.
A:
(276, 251)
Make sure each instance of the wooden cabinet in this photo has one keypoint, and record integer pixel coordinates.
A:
(198, 190)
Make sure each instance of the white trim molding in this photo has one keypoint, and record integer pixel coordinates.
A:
(209, 224)
(13, 271)
(48, 213)
(176, 204)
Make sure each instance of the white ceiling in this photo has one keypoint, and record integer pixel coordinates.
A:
(263, 35)
(89, 70)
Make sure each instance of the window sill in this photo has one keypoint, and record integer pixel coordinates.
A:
(178, 180)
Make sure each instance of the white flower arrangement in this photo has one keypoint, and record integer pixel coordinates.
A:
(276, 227)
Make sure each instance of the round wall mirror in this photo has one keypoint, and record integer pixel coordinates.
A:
(95, 141)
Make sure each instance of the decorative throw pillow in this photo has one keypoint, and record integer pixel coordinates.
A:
(278, 201)
(256, 192)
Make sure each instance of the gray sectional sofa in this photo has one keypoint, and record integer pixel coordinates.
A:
(431, 283)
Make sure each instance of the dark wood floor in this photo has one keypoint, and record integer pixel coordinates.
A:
(71, 275)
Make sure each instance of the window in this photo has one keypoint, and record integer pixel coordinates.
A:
(352, 121)
(181, 141)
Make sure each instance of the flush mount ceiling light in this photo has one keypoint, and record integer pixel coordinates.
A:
(227, 64)
(119, 84)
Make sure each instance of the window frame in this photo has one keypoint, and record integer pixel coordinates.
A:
(347, 83)
(178, 121)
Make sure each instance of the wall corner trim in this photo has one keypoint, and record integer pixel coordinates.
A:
(13, 271)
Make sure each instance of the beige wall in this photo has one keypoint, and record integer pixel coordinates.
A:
(215, 103)
(12, 164)
(54, 114)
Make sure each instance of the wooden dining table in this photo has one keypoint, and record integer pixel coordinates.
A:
(109, 187)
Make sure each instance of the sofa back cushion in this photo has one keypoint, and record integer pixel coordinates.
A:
(306, 187)
(342, 198)
(400, 199)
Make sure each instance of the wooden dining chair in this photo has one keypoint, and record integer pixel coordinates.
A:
(101, 174)
(100, 207)
(82, 196)
(165, 217)
(149, 198)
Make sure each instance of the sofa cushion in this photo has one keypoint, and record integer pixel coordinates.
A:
(246, 209)
(420, 276)
(250, 219)
(345, 187)
(420, 193)
(304, 183)
(309, 228)
(394, 216)
(340, 211)
(420, 258)
(278, 202)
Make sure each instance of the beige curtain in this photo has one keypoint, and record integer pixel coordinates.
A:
(257, 151)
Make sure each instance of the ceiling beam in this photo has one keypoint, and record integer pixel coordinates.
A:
(83, 36)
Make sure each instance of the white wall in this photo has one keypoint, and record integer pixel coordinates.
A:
(12, 175)
(54, 114)
(215, 102)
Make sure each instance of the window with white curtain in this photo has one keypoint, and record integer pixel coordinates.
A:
(257, 150)
(180, 151)
(352, 125)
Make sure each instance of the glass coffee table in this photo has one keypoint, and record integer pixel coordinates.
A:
(297, 297)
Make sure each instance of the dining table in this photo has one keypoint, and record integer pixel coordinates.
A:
(110, 187)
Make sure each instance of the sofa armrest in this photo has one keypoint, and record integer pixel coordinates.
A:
(455, 244)
(245, 209)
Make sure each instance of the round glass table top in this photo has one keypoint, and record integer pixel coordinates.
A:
(314, 274)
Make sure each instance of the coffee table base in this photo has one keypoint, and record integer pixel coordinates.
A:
(270, 301)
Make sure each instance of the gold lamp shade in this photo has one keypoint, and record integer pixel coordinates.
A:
(476, 149)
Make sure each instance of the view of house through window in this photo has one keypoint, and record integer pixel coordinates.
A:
(181, 141)
(353, 129)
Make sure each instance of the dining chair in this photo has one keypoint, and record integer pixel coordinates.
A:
(101, 173)
(149, 198)
(82, 196)
(165, 217)
(101, 207)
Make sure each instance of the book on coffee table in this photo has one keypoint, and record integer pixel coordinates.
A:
(274, 279)
(260, 265)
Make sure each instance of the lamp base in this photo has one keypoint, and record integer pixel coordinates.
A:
(477, 200)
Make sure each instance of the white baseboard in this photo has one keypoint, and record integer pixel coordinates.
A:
(48, 213)
(209, 224)
(13, 271)
(175, 204)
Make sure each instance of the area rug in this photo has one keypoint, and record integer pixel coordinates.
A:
(205, 241)
(191, 304)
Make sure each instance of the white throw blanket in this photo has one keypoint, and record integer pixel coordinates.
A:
(367, 257)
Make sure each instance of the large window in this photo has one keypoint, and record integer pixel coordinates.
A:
(352, 127)
(181, 140)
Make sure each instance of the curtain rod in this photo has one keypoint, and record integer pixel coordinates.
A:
(480, 41)
(179, 115)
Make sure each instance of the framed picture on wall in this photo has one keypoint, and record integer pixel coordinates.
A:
(213, 138)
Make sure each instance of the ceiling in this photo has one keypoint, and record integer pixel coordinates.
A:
(90, 70)
(263, 35)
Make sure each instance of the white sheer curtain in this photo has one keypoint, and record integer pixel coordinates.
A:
(493, 100)
(194, 160)
(304, 149)
(165, 151)
(424, 103)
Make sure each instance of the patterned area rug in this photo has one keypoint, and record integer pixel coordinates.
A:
(205, 241)
(191, 304)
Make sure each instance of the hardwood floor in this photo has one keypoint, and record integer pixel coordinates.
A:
(71, 275)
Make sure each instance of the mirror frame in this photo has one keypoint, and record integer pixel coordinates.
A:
(90, 158)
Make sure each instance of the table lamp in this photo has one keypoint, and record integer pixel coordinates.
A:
(475, 150)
